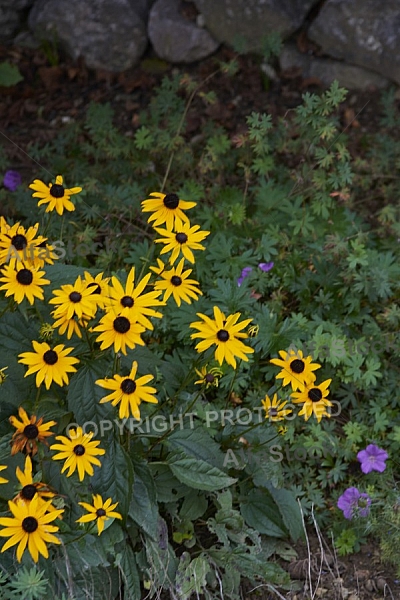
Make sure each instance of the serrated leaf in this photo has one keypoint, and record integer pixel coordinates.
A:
(143, 508)
(290, 512)
(191, 576)
(197, 473)
(261, 513)
(126, 562)
(84, 394)
(196, 442)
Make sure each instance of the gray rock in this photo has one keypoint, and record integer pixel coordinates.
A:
(328, 69)
(252, 20)
(107, 33)
(11, 17)
(142, 8)
(175, 38)
(362, 32)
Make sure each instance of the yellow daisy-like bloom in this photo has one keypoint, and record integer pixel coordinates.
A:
(296, 370)
(100, 511)
(49, 364)
(225, 333)
(99, 288)
(21, 244)
(176, 282)
(275, 409)
(120, 330)
(70, 326)
(74, 301)
(128, 392)
(79, 451)
(30, 431)
(56, 196)
(30, 527)
(29, 487)
(184, 239)
(2, 479)
(22, 282)
(133, 298)
(314, 400)
(208, 377)
(166, 208)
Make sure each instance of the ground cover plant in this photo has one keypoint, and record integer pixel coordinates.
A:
(198, 350)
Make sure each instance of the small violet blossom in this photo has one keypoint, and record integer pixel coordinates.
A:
(12, 180)
(372, 459)
(247, 270)
(353, 502)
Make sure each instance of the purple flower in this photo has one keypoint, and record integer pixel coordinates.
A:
(11, 180)
(352, 501)
(266, 266)
(372, 459)
(245, 272)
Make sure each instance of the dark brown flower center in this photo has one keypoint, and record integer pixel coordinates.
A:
(297, 366)
(273, 412)
(128, 386)
(30, 524)
(75, 297)
(31, 432)
(50, 357)
(121, 325)
(97, 288)
(127, 301)
(24, 277)
(57, 190)
(28, 491)
(100, 512)
(181, 238)
(223, 335)
(19, 241)
(315, 394)
(176, 280)
(171, 201)
(79, 450)
(209, 378)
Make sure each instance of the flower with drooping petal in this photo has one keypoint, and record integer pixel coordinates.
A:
(49, 364)
(275, 409)
(354, 503)
(79, 451)
(166, 208)
(296, 370)
(184, 238)
(55, 195)
(100, 511)
(30, 431)
(372, 459)
(22, 281)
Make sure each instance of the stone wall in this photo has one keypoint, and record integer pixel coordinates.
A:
(354, 41)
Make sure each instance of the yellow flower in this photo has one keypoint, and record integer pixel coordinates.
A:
(120, 330)
(98, 286)
(29, 432)
(46, 332)
(177, 282)
(296, 369)
(275, 409)
(74, 301)
(49, 364)
(22, 245)
(79, 451)
(30, 527)
(2, 480)
(133, 298)
(184, 239)
(166, 208)
(56, 196)
(128, 392)
(314, 398)
(208, 377)
(225, 333)
(29, 487)
(23, 282)
(100, 511)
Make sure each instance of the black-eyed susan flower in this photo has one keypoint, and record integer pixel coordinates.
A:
(133, 298)
(24, 245)
(176, 282)
(128, 392)
(225, 333)
(30, 526)
(79, 451)
(2, 479)
(21, 282)
(55, 195)
(70, 326)
(296, 370)
(183, 240)
(100, 511)
(314, 400)
(49, 364)
(74, 301)
(166, 208)
(29, 431)
(275, 409)
(209, 377)
(98, 286)
(119, 330)
(29, 488)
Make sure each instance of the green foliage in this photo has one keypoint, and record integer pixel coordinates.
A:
(9, 74)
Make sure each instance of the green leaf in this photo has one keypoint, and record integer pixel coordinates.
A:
(197, 473)
(191, 576)
(290, 512)
(84, 395)
(143, 508)
(9, 74)
(261, 513)
(126, 562)
(198, 443)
